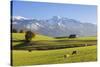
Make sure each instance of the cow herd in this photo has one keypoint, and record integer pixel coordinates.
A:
(73, 53)
(66, 55)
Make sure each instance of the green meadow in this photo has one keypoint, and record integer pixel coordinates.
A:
(49, 50)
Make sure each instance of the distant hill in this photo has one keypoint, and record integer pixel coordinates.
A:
(55, 26)
(21, 36)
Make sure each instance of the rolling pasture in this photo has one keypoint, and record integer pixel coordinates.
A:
(48, 50)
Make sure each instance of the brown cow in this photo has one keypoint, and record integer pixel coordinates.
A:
(29, 50)
(74, 52)
(66, 55)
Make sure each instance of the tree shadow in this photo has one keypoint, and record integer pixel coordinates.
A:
(40, 45)
(18, 40)
(23, 45)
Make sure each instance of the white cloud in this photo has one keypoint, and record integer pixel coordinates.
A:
(20, 17)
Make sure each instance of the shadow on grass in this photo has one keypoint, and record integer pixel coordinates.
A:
(23, 45)
(18, 40)
(37, 45)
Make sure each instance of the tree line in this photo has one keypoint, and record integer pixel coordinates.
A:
(16, 31)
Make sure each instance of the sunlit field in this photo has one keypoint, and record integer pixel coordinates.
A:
(49, 50)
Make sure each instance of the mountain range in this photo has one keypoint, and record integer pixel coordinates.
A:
(56, 26)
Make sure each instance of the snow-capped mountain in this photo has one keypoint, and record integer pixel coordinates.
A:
(55, 26)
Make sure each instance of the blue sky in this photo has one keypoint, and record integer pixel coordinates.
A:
(40, 10)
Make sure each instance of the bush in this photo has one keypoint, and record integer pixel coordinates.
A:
(29, 35)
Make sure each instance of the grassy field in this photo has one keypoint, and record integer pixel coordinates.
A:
(23, 57)
(45, 42)
(84, 54)
(20, 36)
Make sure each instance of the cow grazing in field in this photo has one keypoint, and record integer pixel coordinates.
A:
(66, 56)
(74, 52)
(29, 50)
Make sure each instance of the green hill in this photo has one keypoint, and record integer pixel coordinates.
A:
(48, 50)
(45, 41)
(17, 37)
(20, 36)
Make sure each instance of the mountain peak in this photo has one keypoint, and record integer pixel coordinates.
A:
(55, 26)
(57, 17)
